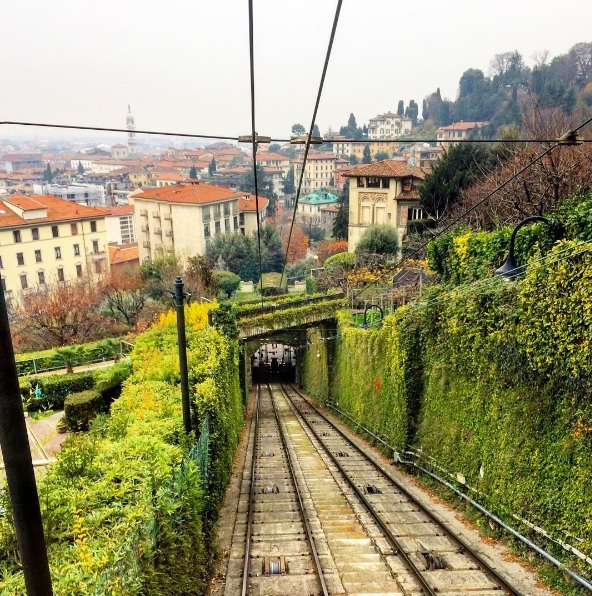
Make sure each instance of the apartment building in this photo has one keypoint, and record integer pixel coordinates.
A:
(46, 240)
(181, 219)
(388, 126)
(457, 131)
(318, 172)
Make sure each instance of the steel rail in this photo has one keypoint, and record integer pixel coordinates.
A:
(307, 527)
(395, 544)
(486, 568)
(247, 562)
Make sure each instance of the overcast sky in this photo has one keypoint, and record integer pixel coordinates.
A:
(184, 66)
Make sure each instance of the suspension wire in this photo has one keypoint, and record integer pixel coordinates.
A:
(274, 140)
(571, 134)
(310, 131)
(254, 142)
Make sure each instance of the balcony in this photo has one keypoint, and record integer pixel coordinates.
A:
(156, 215)
(158, 247)
(98, 255)
(144, 212)
(157, 231)
(145, 228)
(146, 244)
(169, 233)
(168, 216)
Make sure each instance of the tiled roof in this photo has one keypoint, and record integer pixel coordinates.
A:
(332, 208)
(120, 210)
(24, 203)
(195, 194)
(271, 157)
(123, 253)
(12, 157)
(57, 210)
(250, 204)
(389, 168)
(462, 126)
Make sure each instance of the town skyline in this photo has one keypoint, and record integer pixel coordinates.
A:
(185, 72)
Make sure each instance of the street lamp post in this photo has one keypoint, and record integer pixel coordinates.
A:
(18, 466)
(365, 324)
(180, 297)
(510, 269)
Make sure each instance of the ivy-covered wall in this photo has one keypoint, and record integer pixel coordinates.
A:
(492, 380)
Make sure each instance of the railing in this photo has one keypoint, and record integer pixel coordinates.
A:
(271, 308)
(156, 215)
(145, 228)
(157, 231)
(144, 212)
(146, 244)
(169, 233)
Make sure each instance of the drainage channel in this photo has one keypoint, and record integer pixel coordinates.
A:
(272, 532)
(413, 539)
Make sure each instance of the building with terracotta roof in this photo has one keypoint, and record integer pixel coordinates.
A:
(457, 131)
(20, 161)
(46, 240)
(124, 259)
(385, 192)
(318, 172)
(313, 206)
(181, 219)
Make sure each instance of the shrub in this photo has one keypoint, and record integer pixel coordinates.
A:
(227, 281)
(52, 390)
(340, 262)
(81, 408)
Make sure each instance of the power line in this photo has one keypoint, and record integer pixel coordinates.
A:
(571, 135)
(309, 138)
(254, 141)
(273, 140)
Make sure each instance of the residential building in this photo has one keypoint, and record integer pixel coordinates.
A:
(342, 146)
(376, 146)
(120, 224)
(318, 172)
(83, 194)
(385, 192)
(312, 209)
(180, 219)
(457, 131)
(124, 259)
(119, 151)
(388, 126)
(21, 161)
(275, 161)
(46, 240)
(247, 213)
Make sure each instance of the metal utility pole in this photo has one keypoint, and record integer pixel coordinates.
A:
(18, 465)
(182, 341)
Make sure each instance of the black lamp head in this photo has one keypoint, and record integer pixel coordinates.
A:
(509, 269)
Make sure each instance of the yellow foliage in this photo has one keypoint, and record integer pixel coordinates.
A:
(196, 316)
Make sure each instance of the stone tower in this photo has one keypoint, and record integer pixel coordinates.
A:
(131, 133)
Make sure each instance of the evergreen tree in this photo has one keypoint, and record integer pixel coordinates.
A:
(264, 185)
(212, 167)
(425, 113)
(351, 123)
(80, 168)
(353, 159)
(341, 221)
(412, 112)
(289, 186)
(193, 173)
(315, 131)
(298, 129)
(47, 174)
(401, 108)
(367, 157)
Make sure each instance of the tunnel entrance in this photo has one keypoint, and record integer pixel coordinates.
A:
(274, 363)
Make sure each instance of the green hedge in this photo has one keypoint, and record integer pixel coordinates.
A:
(80, 409)
(53, 389)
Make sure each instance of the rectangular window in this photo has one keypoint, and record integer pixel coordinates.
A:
(414, 213)
(206, 230)
(235, 222)
(227, 225)
(58, 252)
(41, 278)
(216, 211)
(78, 270)
(16, 234)
(226, 209)
(55, 231)
(373, 182)
(35, 233)
(60, 274)
(360, 182)
(37, 256)
(385, 183)
(24, 283)
(98, 266)
(93, 226)
(95, 246)
(3, 284)
(218, 228)
(206, 215)
(20, 259)
(77, 250)
(74, 229)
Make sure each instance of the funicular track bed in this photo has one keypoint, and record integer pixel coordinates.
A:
(318, 516)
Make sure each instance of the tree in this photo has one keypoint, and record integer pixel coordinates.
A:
(236, 253)
(193, 173)
(351, 122)
(159, 276)
(272, 258)
(401, 108)
(298, 244)
(288, 184)
(412, 112)
(459, 167)
(47, 174)
(381, 155)
(198, 276)
(366, 156)
(298, 129)
(125, 297)
(63, 315)
(274, 148)
(80, 168)
(341, 222)
(353, 159)
(212, 166)
(227, 282)
(377, 244)
(327, 248)
(264, 186)
(315, 131)
(425, 113)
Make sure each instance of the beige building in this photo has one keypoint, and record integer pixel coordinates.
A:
(457, 131)
(181, 219)
(46, 240)
(384, 192)
(389, 147)
(388, 126)
(318, 172)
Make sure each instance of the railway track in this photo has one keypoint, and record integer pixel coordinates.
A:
(318, 516)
